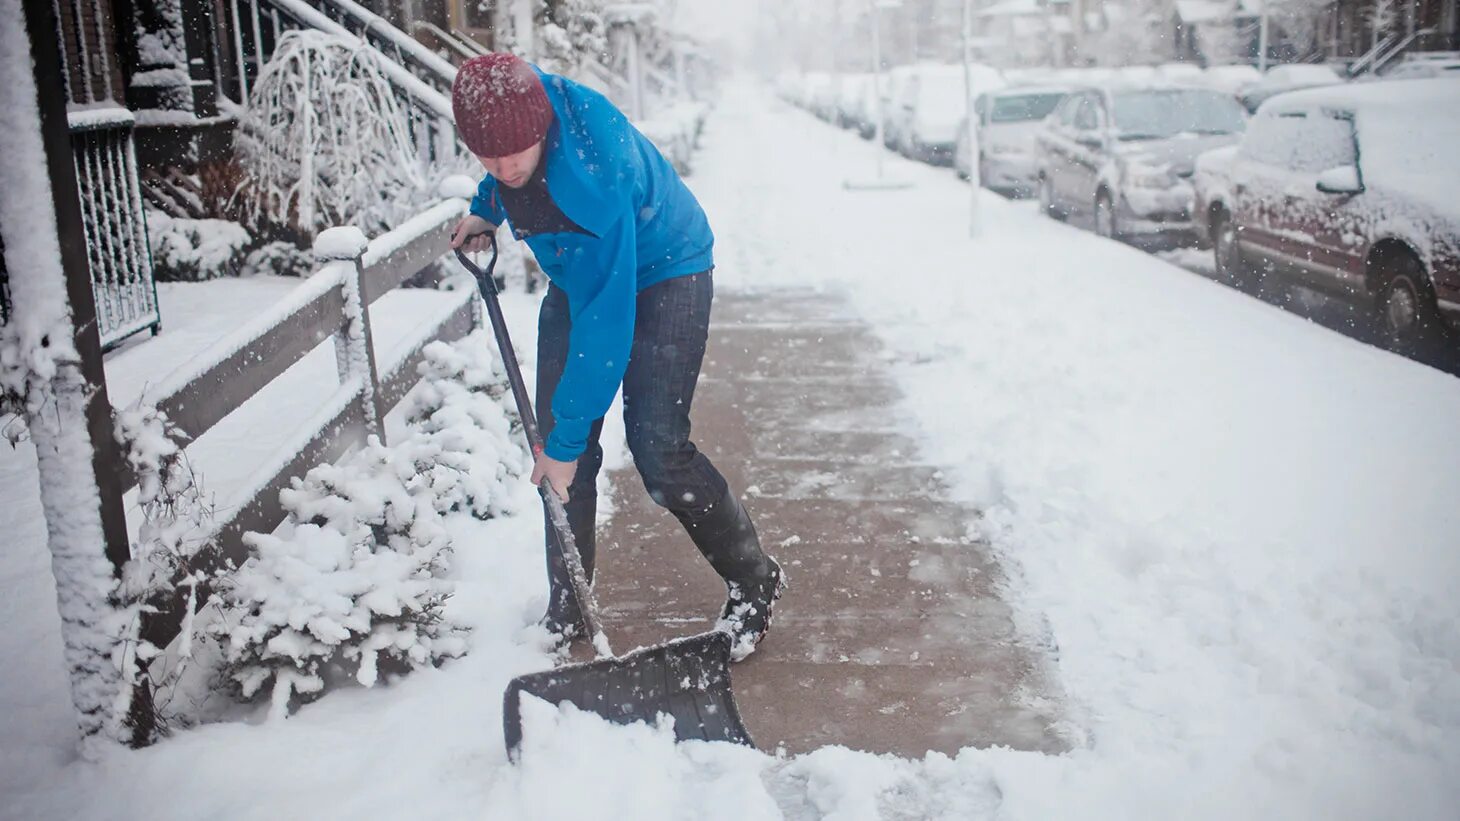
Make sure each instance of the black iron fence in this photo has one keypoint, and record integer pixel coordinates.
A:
(115, 224)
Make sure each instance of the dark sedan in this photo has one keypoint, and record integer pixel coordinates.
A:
(1344, 190)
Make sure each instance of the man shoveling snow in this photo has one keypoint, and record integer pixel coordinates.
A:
(629, 254)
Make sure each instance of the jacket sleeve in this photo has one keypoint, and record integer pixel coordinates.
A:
(487, 204)
(601, 337)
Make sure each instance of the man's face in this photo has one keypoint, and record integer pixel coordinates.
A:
(514, 170)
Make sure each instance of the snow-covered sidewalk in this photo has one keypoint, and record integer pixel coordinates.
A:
(1238, 530)
(1242, 528)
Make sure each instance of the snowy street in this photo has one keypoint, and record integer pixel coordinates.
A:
(1230, 535)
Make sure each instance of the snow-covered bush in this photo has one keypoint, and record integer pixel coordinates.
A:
(188, 250)
(461, 410)
(357, 574)
(279, 258)
(177, 523)
(325, 141)
(568, 31)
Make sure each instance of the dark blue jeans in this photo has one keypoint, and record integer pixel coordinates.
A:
(671, 325)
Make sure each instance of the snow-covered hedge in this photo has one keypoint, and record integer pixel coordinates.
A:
(279, 258)
(192, 250)
(357, 575)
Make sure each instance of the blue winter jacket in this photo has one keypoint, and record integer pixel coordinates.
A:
(642, 225)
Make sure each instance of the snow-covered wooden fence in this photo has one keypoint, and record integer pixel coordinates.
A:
(334, 302)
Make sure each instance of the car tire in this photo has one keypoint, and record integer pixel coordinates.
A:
(1409, 318)
(1232, 268)
(1046, 198)
(1105, 217)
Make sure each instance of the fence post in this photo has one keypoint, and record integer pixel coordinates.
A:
(355, 344)
(70, 474)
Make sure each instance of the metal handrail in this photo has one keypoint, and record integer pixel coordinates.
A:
(1385, 52)
(470, 42)
(452, 41)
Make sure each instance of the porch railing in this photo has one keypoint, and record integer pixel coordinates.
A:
(115, 224)
(421, 78)
(238, 366)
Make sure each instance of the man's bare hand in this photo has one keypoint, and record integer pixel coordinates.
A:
(559, 474)
(473, 234)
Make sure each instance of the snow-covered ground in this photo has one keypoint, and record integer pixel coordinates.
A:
(1239, 530)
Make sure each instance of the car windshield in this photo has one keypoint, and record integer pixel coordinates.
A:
(1158, 114)
(1024, 107)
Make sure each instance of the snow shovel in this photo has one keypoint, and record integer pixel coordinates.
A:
(687, 678)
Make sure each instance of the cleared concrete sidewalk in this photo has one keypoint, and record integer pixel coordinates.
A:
(892, 636)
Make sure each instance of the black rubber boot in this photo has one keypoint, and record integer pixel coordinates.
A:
(563, 618)
(727, 538)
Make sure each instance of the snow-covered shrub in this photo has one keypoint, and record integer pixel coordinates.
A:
(177, 523)
(325, 141)
(566, 33)
(187, 250)
(279, 258)
(356, 576)
(460, 411)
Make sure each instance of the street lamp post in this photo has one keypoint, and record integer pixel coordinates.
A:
(1262, 39)
(881, 182)
(970, 121)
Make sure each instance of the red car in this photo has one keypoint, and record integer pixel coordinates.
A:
(1348, 190)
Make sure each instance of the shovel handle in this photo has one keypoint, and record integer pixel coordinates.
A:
(557, 514)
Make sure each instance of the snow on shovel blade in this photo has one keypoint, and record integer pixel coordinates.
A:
(687, 678)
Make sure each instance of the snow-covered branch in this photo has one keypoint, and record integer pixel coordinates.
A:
(325, 141)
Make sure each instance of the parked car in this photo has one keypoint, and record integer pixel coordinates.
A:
(1125, 156)
(932, 104)
(820, 95)
(1135, 76)
(849, 99)
(1181, 73)
(1233, 80)
(1008, 121)
(1341, 190)
(1290, 77)
(893, 92)
(862, 111)
(1421, 66)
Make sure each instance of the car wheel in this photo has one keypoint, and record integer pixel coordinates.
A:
(1408, 316)
(1046, 198)
(1232, 268)
(1105, 216)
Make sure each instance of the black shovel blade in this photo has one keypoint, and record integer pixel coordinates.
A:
(687, 678)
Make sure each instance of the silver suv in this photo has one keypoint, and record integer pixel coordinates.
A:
(1124, 157)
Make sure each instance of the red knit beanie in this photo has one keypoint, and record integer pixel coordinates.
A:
(500, 105)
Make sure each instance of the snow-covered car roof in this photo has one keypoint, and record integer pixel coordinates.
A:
(1022, 91)
(1404, 99)
(1300, 74)
(1407, 132)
